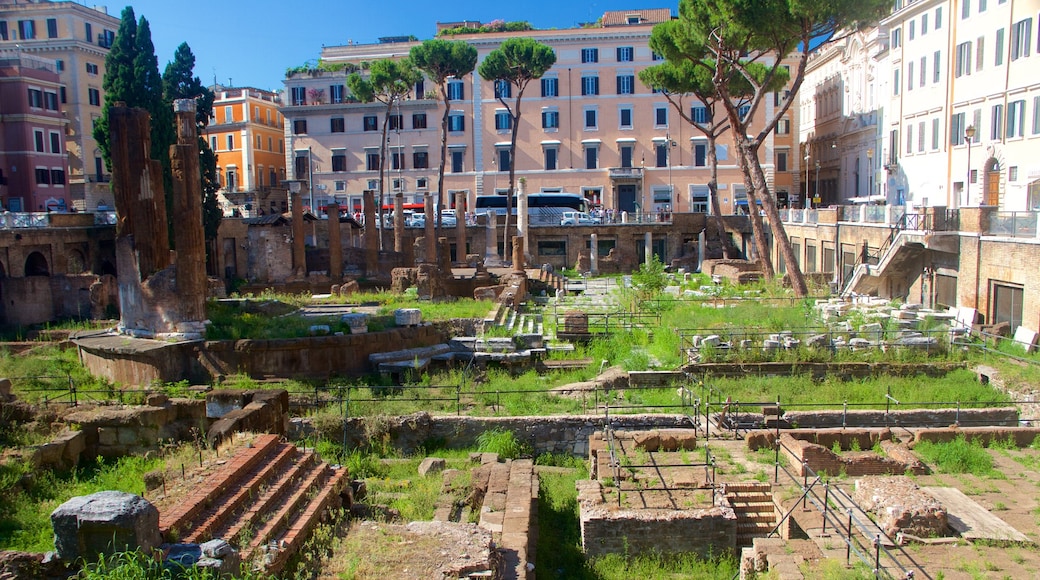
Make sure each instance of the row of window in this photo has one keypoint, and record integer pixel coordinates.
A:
(40, 99)
(50, 176)
(27, 31)
(504, 121)
(503, 161)
(40, 141)
(229, 116)
(1020, 46)
(230, 141)
(1001, 126)
(228, 177)
(897, 33)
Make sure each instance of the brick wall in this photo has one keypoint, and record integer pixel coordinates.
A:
(705, 532)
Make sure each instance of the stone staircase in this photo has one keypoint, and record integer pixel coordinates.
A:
(265, 500)
(753, 505)
(509, 511)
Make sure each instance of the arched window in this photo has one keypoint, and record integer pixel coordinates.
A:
(36, 265)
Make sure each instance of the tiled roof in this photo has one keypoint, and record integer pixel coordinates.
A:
(651, 16)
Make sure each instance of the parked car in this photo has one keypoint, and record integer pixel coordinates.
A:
(448, 218)
(416, 220)
(578, 218)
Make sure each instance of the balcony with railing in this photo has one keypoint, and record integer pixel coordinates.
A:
(626, 172)
(1013, 224)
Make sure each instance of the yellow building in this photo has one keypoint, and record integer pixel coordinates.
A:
(246, 134)
(78, 39)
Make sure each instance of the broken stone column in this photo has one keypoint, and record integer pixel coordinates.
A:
(429, 234)
(491, 239)
(103, 523)
(371, 234)
(648, 249)
(189, 235)
(335, 245)
(299, 250)
(399, 222)
(594, 254)
(137, 186)
(460, 226)
(701, 241)
(518, 254)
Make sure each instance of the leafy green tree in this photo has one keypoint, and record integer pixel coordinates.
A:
(132, 77)
(180, 82)
(748, 38)
(516, 62)
(441, 60)
(388, 82)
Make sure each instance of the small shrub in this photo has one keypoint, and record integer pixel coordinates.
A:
(502, 442)
(957, 456)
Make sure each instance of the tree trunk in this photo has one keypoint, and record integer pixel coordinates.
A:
(783, 243)
(506, 234)
(713, 193)
(758, 229)
(427, 206)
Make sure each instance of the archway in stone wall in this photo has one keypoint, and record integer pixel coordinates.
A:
(75, 262)
(991, 183)
(36, 265)
(107, 268)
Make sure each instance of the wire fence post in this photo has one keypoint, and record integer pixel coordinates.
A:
(826, 496)
(848, 540)
(805, 483)
(877, 556)
(458, 400)
(72, 391)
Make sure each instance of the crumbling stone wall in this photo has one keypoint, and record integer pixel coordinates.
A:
(569, 435)
(118, 432)
(607, 530)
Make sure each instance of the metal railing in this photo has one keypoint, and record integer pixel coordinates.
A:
(1014, 224)
(619, 461)
(857, 530)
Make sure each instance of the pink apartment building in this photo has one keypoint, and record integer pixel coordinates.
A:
(589, 126)
(33, 162)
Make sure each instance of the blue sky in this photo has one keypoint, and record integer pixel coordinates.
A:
(252, 42)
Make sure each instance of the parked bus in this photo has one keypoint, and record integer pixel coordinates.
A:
(542, 208)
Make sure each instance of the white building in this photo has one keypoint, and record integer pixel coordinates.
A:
(931, 73)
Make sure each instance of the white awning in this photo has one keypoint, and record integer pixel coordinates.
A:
(503, 144)
(626, 140)
(551, 142)
(659, 139)
(591, 141)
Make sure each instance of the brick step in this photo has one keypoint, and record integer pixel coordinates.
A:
(278, 488)
(750, 502)
(751, 528)
(294, 534)
(218, 483)
(281, 519)
(771, 518)
(219, 513)
(748, 486)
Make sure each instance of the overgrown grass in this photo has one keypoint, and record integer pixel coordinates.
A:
(231, 322)
(140, 566)
(958, 456)
(502, 442)
(26, 502)
(560, 553)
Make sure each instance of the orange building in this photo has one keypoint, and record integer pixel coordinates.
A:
(246, 134)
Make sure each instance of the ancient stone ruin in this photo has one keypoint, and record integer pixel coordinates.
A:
(160, 295)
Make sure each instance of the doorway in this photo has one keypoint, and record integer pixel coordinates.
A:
(626, 198)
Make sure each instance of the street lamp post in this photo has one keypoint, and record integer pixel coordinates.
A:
(870, 172)
(808, 201)
(816, 193)
(969, 135)
(671, 187)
